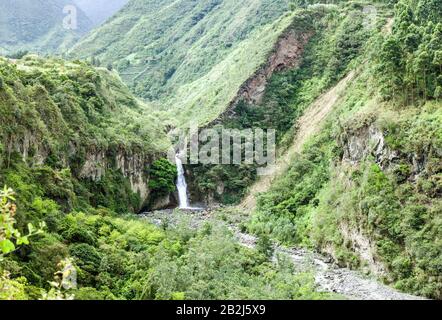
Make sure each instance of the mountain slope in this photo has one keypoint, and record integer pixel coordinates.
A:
(38, 26)
(308, 125)
(82, 154)
(177, 53)
(100, 10)
(310, 56)
(69, 119)
(366, 188)
(356, 101)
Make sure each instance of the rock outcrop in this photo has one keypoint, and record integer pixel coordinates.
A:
(369, 141)
(132, 164)
(287, 54)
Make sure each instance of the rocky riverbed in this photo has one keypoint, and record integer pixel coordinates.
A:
(328, 276)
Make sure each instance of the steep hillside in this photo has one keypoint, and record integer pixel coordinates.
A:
(81, 125)
(308, 125)
(100, 10)
(179, 53)
(310, 56)
(353, 90)
(38, 26)
(366, 188)
(82, 154)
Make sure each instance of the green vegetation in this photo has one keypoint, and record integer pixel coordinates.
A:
(83, 154)
(410, 60)
(377, 209)
(163, 175)
(67, 130)
(337, 41)
(8, 233)
(51, 106)
(191, 56)
(127, 258)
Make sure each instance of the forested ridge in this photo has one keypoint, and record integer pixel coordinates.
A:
(84, 142)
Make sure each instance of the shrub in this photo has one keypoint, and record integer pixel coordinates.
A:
(162, 176)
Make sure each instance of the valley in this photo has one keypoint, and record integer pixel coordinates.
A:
(100, 199)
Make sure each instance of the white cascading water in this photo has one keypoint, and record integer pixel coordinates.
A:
(181, 184)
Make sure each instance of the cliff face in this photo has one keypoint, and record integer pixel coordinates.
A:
(72, 116)
(370, 141)
(287, 54)
(407, 184)
(131, 164)
(134, 166)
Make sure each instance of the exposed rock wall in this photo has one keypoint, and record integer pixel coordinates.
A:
(369, 141)
(27, 145)
(363, 246)
(287, 54)
(132, 164)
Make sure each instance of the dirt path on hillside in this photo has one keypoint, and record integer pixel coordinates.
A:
(308, 125)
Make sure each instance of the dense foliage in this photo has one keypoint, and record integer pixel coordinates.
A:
(127, 258)
(56, 106)
(162, 176)
(337, 41)
(379, 207)
(80, 151)
(410, 60)
(59, 117)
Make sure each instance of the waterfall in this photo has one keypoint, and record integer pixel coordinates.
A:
(181, 184)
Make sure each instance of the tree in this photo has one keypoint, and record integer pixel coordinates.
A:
(162, 176)
(409, 60)
(429, 10)
(10, 237)
(264, 245)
